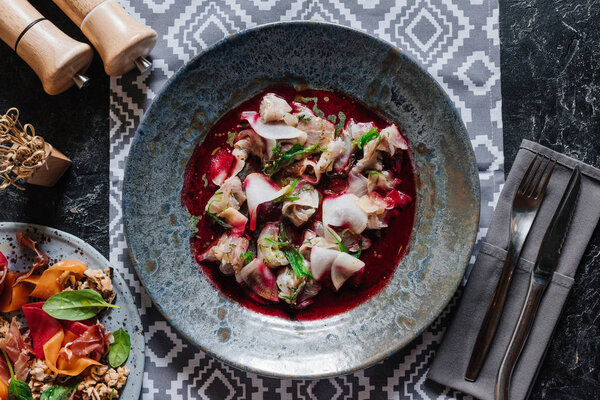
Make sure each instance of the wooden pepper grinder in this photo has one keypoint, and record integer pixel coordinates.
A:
(121, 41)
(58, 60)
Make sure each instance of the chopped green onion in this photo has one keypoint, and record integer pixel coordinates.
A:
(295, 151)
(275, 242)
(294, 257)
(248, 256)
(287, 195)
(366, 138)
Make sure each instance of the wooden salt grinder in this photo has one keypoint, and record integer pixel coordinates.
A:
(121, 41)
(58, 60)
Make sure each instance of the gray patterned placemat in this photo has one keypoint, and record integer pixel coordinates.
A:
(456, 40)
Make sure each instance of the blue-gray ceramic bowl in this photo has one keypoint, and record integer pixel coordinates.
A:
(322, 56)
(63, 246)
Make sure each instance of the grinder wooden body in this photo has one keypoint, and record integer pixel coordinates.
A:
(57, 59)
(121, 41)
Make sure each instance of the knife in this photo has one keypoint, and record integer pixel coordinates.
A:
(541, 276)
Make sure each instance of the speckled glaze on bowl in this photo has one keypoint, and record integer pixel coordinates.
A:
(321, 56)
(63, 246)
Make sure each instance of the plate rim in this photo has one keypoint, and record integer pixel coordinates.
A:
(367, 362)
(89, 249)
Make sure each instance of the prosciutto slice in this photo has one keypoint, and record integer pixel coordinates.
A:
(18, 349)
(259, 190)
(92, 343)
(40, 261)
(41, 325)
(342, 211)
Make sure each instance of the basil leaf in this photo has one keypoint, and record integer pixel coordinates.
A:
(17, 390)
(118, 351)
(76, 305)
(366, 138)
(58, 393)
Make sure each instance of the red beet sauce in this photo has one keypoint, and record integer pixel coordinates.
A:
(388, 244)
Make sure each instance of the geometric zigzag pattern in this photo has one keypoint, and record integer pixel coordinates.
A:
(457, 41)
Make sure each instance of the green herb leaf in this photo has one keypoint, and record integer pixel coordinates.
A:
(17, 390)
(215, 150)
(248, 256)
(366, 138)
(340, 125)
(297, 262)
(276, 243)
(295, 151)
(373, 172)
(294, 257)
(58, 393)
(112, 393)
(338, 240)
(332, 118)
(118, 351)
(288, 193)
(304, 118)
(76, 305)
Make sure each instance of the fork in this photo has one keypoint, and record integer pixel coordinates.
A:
(525, 206)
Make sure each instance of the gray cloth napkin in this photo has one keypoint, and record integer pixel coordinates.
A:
(452, 357)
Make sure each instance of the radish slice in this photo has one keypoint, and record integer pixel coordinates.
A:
(260, 279)
(260, 189)
(273, 131)
(221, 165)
(344, 266)
(342, 211)
(321, 260)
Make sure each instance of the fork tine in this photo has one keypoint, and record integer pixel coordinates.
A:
(532, 176)
(531, 189)
(543, 188)
(526, 175)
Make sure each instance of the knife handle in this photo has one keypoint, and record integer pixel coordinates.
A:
(517, 342)
(492, 316)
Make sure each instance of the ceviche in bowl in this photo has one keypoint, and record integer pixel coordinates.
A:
(301, 200)
(54, 344)
(304, 200)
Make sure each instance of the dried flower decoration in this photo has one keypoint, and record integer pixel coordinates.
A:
(21, 151)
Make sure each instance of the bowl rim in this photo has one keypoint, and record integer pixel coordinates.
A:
(367, 362)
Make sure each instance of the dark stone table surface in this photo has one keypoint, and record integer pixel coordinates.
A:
(550, 61)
